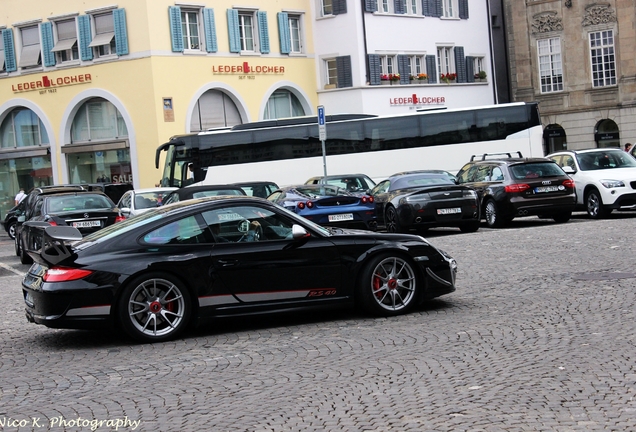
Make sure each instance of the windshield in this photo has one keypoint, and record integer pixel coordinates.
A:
(604, 159)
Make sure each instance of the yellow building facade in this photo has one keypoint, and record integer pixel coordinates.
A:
(89, 90)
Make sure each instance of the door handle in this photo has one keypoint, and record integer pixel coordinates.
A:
(227, 263)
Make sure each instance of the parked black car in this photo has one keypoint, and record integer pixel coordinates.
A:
(11, 218)
(86, 211)
(158, 272)
(423, 199)
(510, 186)
(190, 192)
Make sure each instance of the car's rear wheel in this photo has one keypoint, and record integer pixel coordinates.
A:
(392, 221)
(388, 285)
(493, 215)
(11, 230)
(154, 307)
(594, 205)
(562, 217)
(469, 227)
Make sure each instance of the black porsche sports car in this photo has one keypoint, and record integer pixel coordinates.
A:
(155, 273)
(423, 199)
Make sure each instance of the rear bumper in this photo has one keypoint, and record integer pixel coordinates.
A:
(519, 206)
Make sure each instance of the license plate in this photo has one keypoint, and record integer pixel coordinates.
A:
(87, 224)
(341, 217)
(446, 211)
(541, 189)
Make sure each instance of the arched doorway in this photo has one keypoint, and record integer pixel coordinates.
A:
(554, 139)
(606, 134)
(214, 109)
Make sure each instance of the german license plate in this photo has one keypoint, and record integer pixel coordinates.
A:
(541, 189)
(87, 224)
(341, 217)
(446, 211)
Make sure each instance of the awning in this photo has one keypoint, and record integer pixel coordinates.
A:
(93, 147)
(30, 56)
(64, 44)
(102, 39)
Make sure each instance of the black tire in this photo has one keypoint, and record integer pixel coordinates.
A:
(388, 285)
(562, 217)
(154, 307)
(11, 230)
(24, 257)
(469, 227)
(392, 221)
(594, 205)
(493, 215)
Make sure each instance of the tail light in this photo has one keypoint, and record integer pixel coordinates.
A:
(301, 205)
(119, 218)
(52, 222)
(310, 204)
(367, 199)
(517, 188)
(569, 183)
(64, 274)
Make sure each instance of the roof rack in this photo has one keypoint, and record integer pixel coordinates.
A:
(485, 155)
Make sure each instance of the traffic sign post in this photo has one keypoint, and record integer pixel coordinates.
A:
(322, 134)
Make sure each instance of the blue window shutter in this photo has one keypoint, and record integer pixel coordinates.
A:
(47, 43)
(463, 9)
(210, 30)
(283, 33)
(374, 69)
(370, 5)
(403, 68)
(343, 66)
(339, 7)
(233, 30)
(263, 31)
(470, 69)
(398, 7)
(10, 64)
(121, 33)
(431, 69)
(85, 37)
(460, 64)
(176, 33)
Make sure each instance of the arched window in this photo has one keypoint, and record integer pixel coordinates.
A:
(214, 109)
(283, 104)
(22, 128)
(606, 134)
(97, 119)
(554, 139)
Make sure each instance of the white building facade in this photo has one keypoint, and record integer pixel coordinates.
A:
(396, 56)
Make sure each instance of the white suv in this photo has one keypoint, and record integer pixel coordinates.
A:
(605, 179)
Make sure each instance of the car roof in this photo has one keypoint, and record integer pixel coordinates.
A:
(511, 161)
(588, 150)
(156, 189)
(76, 193)
(190, 190)
(255, 183)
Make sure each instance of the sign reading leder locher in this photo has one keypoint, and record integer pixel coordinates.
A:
(417, 100)
(48, 83)
(245, 68)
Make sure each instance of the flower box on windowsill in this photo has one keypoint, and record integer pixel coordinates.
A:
(385, 82)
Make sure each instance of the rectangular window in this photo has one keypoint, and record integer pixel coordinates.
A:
(385, 6)
(327, 7)
(2, 66)
(30, 55)
(417, 65)
(246, 30)
(103, 42)
(295, 34)
(550, 66)
(603, 58)
(332, 72)
(66, 49)
(445, 63)
(449, 8)
(388, 65)
(190, 29)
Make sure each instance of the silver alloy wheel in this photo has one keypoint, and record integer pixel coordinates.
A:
(393, 284)
(491, 213)
(593, 204)
(11, 231)
(156, 307)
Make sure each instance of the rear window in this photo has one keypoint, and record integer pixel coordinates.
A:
(210, 193)
(536, 170)
(419, 181)
(78, 202)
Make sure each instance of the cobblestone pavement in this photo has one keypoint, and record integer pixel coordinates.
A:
(539, 336)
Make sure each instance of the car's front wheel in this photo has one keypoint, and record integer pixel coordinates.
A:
(154, 307)
(594, 205)
(388, 285)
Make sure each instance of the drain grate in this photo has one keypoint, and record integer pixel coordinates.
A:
(603, 276)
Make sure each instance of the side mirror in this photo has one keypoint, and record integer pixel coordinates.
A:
(21, 218)
(568, 169)
(299, 232)
(125, 210)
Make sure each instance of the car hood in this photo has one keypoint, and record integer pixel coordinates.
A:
(609, 173)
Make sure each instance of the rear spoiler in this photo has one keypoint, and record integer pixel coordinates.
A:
(53, 249)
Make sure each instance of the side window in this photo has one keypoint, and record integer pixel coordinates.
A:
(497, 174)
(482, 173)
(247, 224)
(382, 187)
(37, 210)
(183, 231)
(274, 197)
(568, 161)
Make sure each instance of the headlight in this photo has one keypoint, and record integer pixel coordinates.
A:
(609, 184)
(417, 198)
(469, 193)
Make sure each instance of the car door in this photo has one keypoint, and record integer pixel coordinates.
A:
(273, 267)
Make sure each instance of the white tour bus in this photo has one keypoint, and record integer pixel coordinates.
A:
(289, 151)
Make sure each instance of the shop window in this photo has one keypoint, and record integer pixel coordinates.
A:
(99, 166)
(283, 104)
(606, 134)
(554, 139)
(603, 58)
(31, 54)
(97, 119)
(214, 109)
(22, 128)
